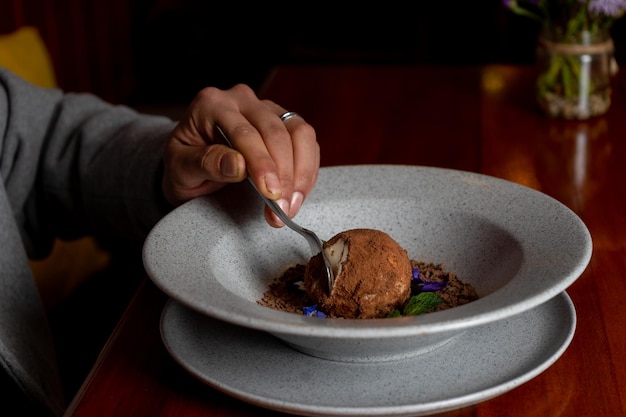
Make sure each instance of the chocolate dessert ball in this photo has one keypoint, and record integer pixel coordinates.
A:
(372, 275)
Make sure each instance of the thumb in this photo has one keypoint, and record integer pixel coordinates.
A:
(191, 171)
(216, 163)
(223, 164)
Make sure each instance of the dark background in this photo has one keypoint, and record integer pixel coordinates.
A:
(224, 44)
(163, 51)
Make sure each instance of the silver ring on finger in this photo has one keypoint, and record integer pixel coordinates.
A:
(288, 115)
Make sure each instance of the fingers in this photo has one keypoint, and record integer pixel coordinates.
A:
(265, 144)
(293, 147)
(281, 158)
(306, 160)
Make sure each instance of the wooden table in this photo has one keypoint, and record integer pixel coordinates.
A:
(477, 119)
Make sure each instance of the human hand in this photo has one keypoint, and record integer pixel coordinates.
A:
(281, 158)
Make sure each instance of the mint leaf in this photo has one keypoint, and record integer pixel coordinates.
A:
(394, 313)
(421, 303)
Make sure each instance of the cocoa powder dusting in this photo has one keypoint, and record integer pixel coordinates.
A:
(373, 276)
(455, 293)
(287, 292)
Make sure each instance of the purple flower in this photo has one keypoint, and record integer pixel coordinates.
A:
(612, 8)
(418, 284)
(311, 311)
(416, 273)
(570, 18)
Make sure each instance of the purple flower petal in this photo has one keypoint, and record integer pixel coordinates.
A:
(418, 284)
(434, 285)
(416, 273)
(311, 311)
(612, 8)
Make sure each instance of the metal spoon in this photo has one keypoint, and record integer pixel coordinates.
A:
(314, 242)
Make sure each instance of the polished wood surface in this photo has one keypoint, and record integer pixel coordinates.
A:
(479, 119)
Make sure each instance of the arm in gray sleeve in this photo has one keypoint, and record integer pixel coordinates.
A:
(73, 164)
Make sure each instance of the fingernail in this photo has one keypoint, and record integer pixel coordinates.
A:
(283, 205)
(296, 202)
(273, 184)
(229, 165)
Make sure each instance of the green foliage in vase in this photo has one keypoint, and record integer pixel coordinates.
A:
(579, 52)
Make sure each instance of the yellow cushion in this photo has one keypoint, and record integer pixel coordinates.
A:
(24, 53)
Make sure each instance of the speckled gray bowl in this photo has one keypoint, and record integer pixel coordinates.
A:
(518, 247)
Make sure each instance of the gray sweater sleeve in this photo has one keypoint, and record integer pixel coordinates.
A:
(73, 164)
(70, 164)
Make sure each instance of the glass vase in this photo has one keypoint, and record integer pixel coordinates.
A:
(574, 80)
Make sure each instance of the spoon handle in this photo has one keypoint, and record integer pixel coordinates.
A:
(314, 241)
